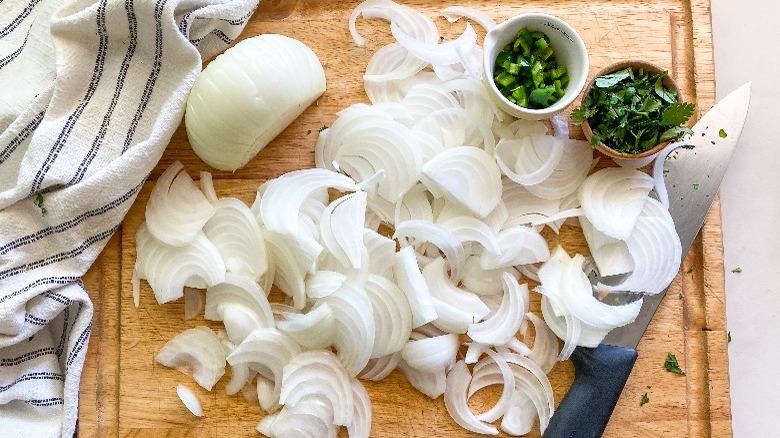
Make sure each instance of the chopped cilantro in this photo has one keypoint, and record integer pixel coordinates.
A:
(645, 400)
(631, 111)
(736, 270)
(308, 132)
(324, 127)
(729, 337)
(39, 203)
(712, 141)
(722, 134)
(682, 296)
(672, 365)
(689, 270)
(617, 300)
(695, 186)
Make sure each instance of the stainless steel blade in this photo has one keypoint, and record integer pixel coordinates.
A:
(692, 180)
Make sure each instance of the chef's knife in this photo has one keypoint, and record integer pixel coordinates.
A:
(692, 180)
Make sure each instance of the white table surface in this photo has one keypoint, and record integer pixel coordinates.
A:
(747, 48)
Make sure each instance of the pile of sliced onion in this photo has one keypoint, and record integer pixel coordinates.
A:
(464, 191)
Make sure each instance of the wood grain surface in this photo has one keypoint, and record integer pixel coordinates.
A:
(125, 393)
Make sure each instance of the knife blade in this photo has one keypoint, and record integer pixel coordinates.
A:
(692, 181)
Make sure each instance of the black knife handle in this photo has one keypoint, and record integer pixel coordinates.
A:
(599, 377)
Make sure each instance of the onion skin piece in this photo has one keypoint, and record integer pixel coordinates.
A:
(235, 107)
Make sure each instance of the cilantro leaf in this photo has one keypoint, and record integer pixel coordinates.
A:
(669, 96)
(613, 79)
(674, 133)
(672, 365)
(39, 203)
(645, 400)
(722, 133)
(729, 337)
(677, 114)
(736, 270)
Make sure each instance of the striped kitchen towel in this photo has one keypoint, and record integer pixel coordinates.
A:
(90, 94)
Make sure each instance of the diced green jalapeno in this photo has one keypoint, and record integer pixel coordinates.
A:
(527, 72)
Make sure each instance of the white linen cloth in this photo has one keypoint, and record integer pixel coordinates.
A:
(90, 94)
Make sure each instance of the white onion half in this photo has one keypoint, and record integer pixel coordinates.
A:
(235, 107)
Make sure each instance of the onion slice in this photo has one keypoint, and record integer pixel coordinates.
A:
(197, 350)
(190, 400)
(455, 400)
(177, 209)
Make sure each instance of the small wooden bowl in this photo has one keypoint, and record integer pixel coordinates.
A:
(668, 82)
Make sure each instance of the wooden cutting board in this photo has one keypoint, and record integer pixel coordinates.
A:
(124, 392)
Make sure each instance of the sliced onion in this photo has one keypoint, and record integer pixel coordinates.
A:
(523, 207)
(500, 328)
(612, 199)
(545, 349)
(483, 281)
(379, 368)
(507, 380)
(454, 12)
(240, 304)
(432, 385)
(529, 160)
(312, 330)
(571, 170)
(190, 400)
(289, 254)
(240, 377)
(611, 255)
(267, 351)
(207, 186)
(470, 229)
(169, 268)
(455, 400)
(354, 329)
(656, 250)
(392, 316)
(177, 209)
(323, 283)
(281, 203)
(312, 417)
(520, 245)
(431, 355)
(197, 350)
(410, 20)
(319, 374)
(444, 53)
(443, 238)
(456, 308)
(411, 281)
(237, 236)
(360, 427)
(382, 145)
(467, 175)
(519, 418)
(194, 303)
(341, 228)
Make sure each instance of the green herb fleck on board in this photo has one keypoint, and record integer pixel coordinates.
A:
(722, 134)
(689, 270)
(39, 204)
(682, 296)
(729, 337)
(617, 300)
(324, 127)
(645, 400)
(308, 132)
(672, 365)
(736, 270)
(695, 186)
